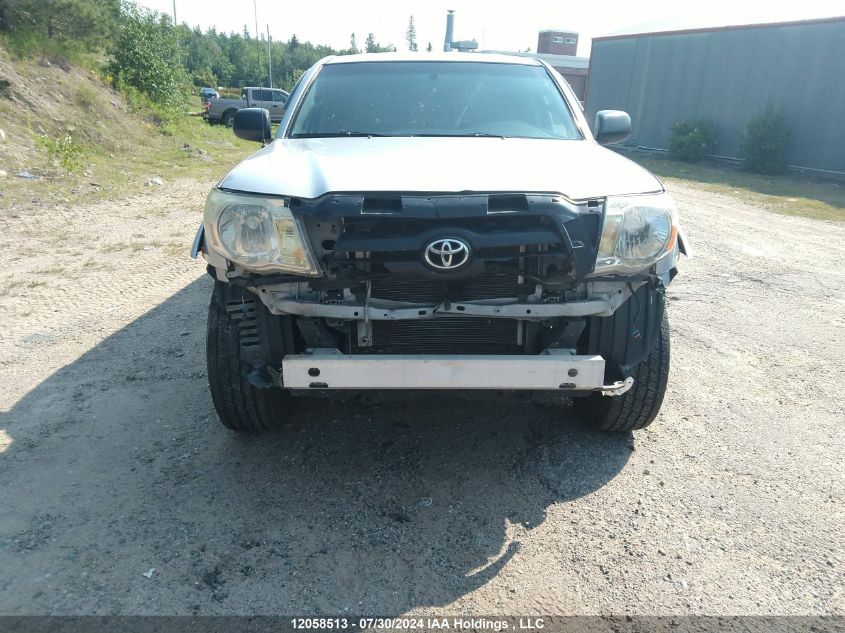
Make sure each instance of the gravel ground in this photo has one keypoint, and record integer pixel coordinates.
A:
(112, 462)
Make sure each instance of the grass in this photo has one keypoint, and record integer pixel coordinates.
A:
(788, 194)
(188, 148)
(24, 45)
(64, 149)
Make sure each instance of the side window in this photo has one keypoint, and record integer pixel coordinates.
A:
(278, 97)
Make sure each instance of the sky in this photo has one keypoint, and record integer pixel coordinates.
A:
(496, 25)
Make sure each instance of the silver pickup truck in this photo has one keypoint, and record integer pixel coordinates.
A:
(444, 221)
(223, 110)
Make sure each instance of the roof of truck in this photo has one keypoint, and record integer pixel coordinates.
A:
(431, 57)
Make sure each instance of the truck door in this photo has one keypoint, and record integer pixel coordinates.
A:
(278, 108)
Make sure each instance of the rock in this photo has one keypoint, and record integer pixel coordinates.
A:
(156, 180)
(40, 130)
(2, 136)
(150, 573)
(3, 173)
(28, 175)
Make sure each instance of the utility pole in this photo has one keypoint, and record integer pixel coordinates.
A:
(176, 26)
(257, 37)
(269, 56)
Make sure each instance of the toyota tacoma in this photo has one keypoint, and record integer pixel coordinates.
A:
(438, 221)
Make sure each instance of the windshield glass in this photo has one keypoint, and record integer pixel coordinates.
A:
(433, 99)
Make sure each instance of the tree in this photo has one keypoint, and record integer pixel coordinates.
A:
(411, 35)
(765, 144)
(143, 54)
(85, 23)
(374, 47)
(691, 140)
(353, 44)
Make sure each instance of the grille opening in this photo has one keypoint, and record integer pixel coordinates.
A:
(382, 204)
(444, 335)
(422, 290)
(506, 203)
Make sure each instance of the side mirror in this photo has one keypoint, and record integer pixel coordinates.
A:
(612, 126)
(252, 124)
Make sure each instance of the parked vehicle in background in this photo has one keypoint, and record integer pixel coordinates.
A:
(464, 230)
(271, 99)
(208, 93)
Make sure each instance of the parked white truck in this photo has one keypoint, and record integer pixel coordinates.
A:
(223, 110)
(443, 221)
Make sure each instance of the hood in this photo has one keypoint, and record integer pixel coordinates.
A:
(309, 168)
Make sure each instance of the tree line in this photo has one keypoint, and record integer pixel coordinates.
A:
(148, 53)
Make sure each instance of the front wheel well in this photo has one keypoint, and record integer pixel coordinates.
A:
(627, 337)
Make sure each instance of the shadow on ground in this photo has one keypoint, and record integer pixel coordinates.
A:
(373, 504)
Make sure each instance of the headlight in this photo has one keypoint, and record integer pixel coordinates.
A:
(257, 233)
(638, 230)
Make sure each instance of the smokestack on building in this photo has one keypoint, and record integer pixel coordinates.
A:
(450, 31)
(450, 44)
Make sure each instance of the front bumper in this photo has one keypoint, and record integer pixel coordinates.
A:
(552, 370)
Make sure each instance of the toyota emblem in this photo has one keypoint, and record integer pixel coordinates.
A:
(446, 254)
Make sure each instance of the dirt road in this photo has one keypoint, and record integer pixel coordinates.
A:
(112, 463)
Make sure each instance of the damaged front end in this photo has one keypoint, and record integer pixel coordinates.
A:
(440, 291)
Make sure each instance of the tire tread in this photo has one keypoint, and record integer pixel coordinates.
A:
(637, 408)
(240, 405)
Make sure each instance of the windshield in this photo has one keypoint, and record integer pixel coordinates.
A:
(433, 99)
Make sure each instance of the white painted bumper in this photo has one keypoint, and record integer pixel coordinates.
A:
(551, 370)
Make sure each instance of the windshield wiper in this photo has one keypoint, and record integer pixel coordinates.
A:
(468, 134)
(335, 134)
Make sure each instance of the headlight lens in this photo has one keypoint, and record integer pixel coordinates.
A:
(259, 234)
(638, 230)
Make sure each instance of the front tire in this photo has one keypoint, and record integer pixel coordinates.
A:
(232, 325)
(638, 407)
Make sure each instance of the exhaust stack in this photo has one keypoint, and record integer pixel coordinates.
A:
(450, 44)
(450, 31)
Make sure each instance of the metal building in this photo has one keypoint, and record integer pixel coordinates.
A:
(727, 75)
